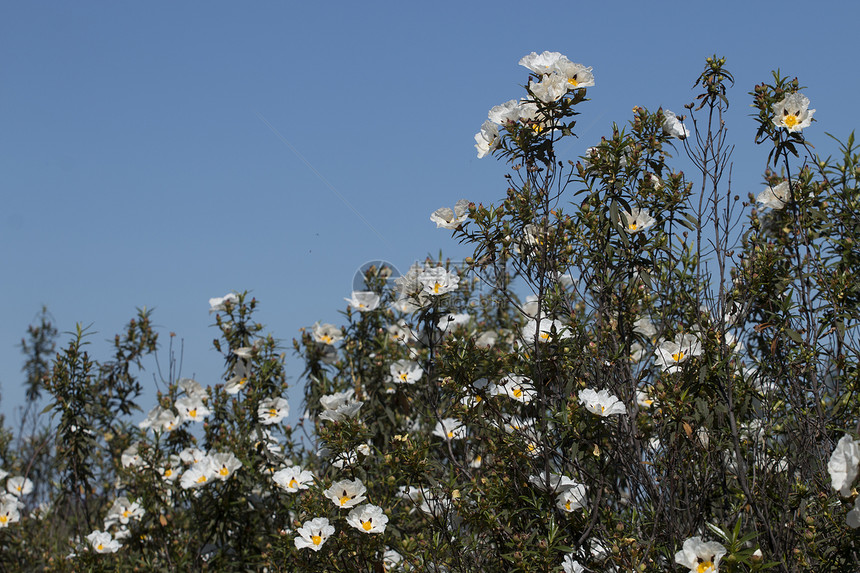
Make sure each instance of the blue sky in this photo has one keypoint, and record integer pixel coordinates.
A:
(149, 152)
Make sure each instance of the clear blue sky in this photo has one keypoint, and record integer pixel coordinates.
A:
(137, 167)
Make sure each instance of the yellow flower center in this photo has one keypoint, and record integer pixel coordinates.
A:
(99, 547)
(168, 472)
(518, 392)
(326, 338)
(790, 120)
(567, 506)
(192, 413)
(367, 525)
(403, 376)
(293, 483)
(436, 287)
(450, 434)
(573, 81)
(344, 499)
(126, 513)
(201, 479)
(678, 356)
(316, 539)
(4, 518)
(224, 471)
(704, 567)
(545, 335)
(273, 412)
(633, 226)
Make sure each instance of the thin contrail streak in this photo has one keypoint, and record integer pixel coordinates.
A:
(323, 179)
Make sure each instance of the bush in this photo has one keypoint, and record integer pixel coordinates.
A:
(623, 376)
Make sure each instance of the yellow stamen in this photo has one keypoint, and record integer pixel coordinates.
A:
(704, 567)
(518, 392)
(545, 335)
(99, 547)
(316, 539)
(567, 506)
(326, 338)
(273, 412)
(436, 288)
(678, 356)
(201, 479)
(367, 525)
(224, 471)
(293, 483)
(403, 376)
(192, 413)
(572, 81)
(4, 518)
(633, 226)
(790, 120)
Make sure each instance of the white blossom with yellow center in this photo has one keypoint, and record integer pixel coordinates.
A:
(367, 518)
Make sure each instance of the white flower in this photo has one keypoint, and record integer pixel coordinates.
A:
(547, 331)
(449, 429)
(700, 556)
(487, 139)
(191, 409)
(313, 533)
(571, 499)
(9, 514)
(367, 518)
(103, 542)
(346, 493)
(541, 64)
(576, 75)
(674, 127)
(438, 281)
(512, 112)
(192, 455)
(551, 88)
(122, 511)
(363, 301)
(447, 218)
(601, 403)
(793, 113)
(272, 410)
(223, 465)
(517, 387)
(645, 327)
(220, 303)
(643, 399)
(293, 479)
(637, 220)
(338, 406)
(192, 388)
(570, 565)
(327, 333)
(19, 485)
(405, 372)
(239, 379)
(556, 483)
(130, 457)
(198, 475)
(775, 197)
(844, 464)
(671, 354)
